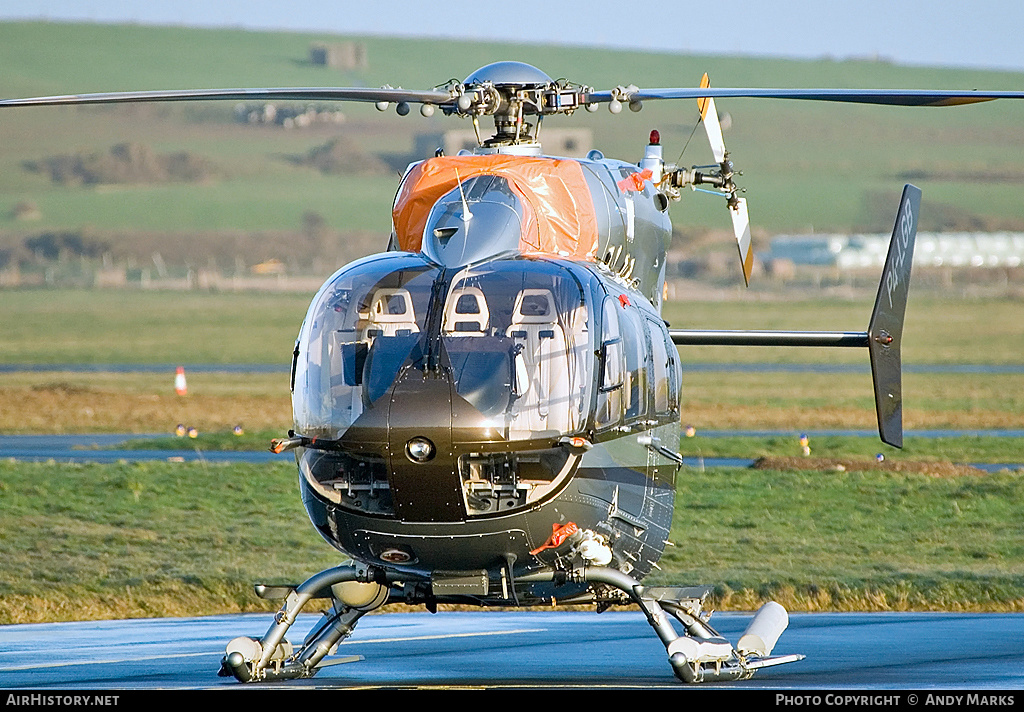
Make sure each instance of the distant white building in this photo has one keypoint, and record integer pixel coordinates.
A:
(933, 249)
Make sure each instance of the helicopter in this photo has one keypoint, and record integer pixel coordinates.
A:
(488, 412)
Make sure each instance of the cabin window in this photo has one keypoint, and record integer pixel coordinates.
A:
(662, 369)
(634, 348)
(609, 399)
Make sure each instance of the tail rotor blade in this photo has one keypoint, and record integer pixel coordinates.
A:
(709, 116)
(741, 228)
(737, 206)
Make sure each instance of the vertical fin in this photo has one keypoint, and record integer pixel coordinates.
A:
(885, 331)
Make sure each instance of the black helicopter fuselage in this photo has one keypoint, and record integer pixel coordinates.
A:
(474, 411)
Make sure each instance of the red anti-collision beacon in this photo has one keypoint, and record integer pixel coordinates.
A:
(652, 160)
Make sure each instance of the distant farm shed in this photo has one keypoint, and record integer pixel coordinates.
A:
(339, 55)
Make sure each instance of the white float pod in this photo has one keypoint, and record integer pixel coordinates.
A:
(700, 650)
(764, 630)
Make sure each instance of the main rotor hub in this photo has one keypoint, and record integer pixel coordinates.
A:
(508, 74)
(508, 91)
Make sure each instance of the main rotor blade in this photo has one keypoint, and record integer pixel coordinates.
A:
(896, 97)
(279, 94)
(892, 97)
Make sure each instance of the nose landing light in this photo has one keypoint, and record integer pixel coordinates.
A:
(419, 449)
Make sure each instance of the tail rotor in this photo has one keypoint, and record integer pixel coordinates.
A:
(719, 176)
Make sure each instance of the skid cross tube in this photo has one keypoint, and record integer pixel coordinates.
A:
(625, 583)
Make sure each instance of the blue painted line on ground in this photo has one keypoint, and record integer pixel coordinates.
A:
(282, 367)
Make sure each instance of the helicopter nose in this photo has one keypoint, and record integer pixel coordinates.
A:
(425, 485)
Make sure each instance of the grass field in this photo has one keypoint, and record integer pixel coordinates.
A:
(806, 166)
(917, 449)
(94, 541)
(155, 539)
(118, 326)
(146, 403)
(851, 541)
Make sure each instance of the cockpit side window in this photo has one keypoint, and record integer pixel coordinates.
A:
(542, 365)
(609, 399)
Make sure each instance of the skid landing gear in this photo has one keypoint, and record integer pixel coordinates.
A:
(701, 654)
(352, 592)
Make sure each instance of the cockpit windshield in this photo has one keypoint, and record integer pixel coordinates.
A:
(513, 336)
(517, 335)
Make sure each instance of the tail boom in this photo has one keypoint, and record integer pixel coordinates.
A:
(885, 329)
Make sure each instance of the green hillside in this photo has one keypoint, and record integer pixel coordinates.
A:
(806, 166)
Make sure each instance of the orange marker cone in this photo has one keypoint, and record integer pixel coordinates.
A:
(180, 387)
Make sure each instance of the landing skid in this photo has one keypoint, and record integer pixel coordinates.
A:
(352, 592)
(699, 654)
